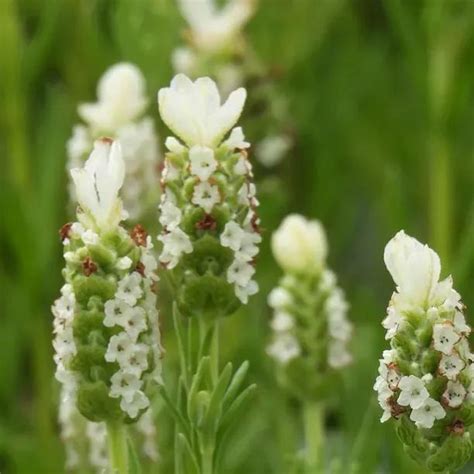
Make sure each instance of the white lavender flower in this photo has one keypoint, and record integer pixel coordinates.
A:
(210, 228)
(424, 380)
(118, 113)
(106, 338)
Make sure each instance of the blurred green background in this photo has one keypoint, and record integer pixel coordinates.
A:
(381, 97)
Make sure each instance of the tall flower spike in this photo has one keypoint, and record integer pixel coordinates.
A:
(425, 380)
(118, 113)
(310, 327)
(210, 228)
(106, 336)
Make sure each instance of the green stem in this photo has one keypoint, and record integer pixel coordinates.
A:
(313, 419)
(214, 351)
(207, 460)
(118, 449)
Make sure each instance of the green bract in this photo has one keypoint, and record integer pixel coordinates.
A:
(310, 333)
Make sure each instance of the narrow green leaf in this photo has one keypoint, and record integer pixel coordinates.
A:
(231, 413)
(180, 339)
(236, 383)
(174, 412)
(134, 466)
(192, 466)
(214, 411)
(196, 386)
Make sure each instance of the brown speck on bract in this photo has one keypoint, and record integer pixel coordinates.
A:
(206, 223)
(107, 140)
(140, 268)
(88, 266)
(395, 408)
(64, 231)
(139, 235)
(456, 428)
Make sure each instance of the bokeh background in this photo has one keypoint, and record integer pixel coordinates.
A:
(381, 100)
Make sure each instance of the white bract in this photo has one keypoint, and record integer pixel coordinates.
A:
(236, 140)
(414, 267)
(98, 184)
(193, 110)
(121, 98)
(213, 29)
(118, 113)
(300, 245)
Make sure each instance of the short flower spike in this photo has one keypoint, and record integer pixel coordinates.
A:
(425, 380)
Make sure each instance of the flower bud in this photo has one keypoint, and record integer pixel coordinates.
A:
(300, 245)
(310, 327)
(425, 380)
(208, 209)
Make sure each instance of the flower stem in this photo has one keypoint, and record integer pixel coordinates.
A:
(118, 449)
(214, 351)
(313, 419)
(207, 460)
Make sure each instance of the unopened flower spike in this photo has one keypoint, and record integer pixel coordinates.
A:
(119, 113)
(310, 329)
(208, 209)
(425, 382)
(106, 336)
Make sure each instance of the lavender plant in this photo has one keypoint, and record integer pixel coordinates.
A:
(310, 328)
(425, 381)
(106, 336)
(119, 113)
(209, 243)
